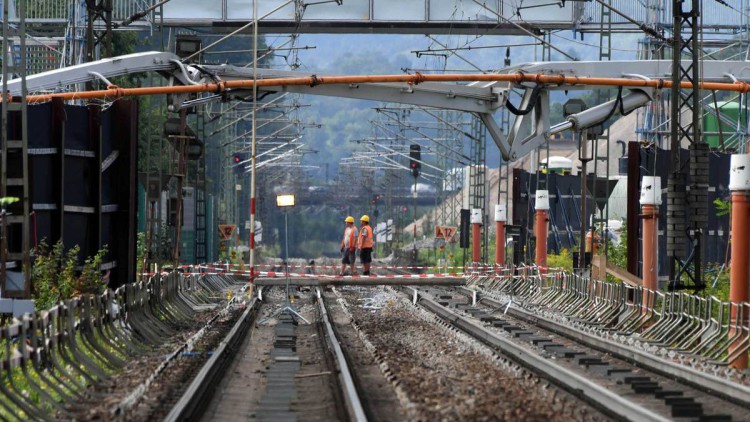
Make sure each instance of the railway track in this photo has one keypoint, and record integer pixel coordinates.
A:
(448, 358)
(305, 373)
(604, 375)
(282, 369)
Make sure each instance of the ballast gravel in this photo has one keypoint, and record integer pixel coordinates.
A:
(446, 376)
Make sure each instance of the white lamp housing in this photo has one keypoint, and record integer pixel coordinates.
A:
(739, 172)
(476, 216)
(651, 190)
(501, 214)
(285, 200)
(542, 200)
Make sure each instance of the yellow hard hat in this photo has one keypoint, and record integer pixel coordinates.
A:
(349, 219)
(365, 218)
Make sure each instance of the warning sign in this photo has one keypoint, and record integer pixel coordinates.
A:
(445, 232)
(449, 233)
(226, 230)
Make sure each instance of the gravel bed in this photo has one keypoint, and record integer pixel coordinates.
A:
(379, 398)
(444, 375)
(100, 399)
(169, 387)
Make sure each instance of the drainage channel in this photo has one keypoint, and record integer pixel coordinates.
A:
(281, 389)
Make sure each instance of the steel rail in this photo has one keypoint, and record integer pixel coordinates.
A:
(198, 394)
(114, 92)
(722, 388)
(351, 397)
(605, 400)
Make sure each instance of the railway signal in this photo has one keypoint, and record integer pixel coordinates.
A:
(415, 157)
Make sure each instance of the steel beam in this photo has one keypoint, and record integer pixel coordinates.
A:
(61, 79)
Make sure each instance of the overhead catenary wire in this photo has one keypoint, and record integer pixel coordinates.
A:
(529, 33)
(253, 22)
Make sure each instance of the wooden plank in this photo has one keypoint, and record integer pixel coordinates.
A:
(599, 262)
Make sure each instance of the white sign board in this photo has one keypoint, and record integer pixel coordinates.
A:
(380, 232)
(258, 232)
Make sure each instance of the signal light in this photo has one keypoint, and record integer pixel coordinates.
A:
(415, 156)
(404, 209)
(237, 159)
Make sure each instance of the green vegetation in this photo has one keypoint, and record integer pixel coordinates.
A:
(55, 275)
(7, 200)
(563, 260)
(720, 275)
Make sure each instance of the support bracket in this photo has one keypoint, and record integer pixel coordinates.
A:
(528, 131)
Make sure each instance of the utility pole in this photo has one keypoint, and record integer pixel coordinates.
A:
(584, 157)
(679, 203)
(414, 205)
(98, 10)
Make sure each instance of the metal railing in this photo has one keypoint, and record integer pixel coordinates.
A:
(51, 11)
(682, 325)
(50, 358)
(723, 18)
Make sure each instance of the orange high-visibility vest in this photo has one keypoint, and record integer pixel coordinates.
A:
(365, 237)
(352, 237)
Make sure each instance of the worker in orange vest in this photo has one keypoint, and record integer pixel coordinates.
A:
(592, 241)
(348, 246)
(364, 244)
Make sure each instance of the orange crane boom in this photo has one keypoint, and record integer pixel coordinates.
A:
(114, 92)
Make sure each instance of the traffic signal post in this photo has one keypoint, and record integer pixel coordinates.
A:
(415, 165)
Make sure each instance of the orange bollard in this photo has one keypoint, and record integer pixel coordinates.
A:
(476, 235)
(541, 224)
(650, 200)
(739, 276)
(500, 218)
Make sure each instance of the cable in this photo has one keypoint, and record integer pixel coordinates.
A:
(573, 40)
(532, 103)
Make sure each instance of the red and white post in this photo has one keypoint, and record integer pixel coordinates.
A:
(500, 219)
(650, 201)
(739, 276)
(541, 226)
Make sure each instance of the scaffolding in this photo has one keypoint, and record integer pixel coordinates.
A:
(14, 183)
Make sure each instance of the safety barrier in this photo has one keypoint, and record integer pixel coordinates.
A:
(49, 358)
(699, 330)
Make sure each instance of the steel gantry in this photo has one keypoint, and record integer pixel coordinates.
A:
(429, 90)
(684, 206)
(484, 97)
